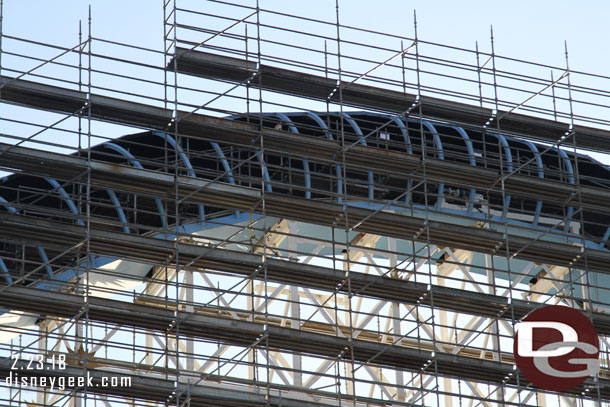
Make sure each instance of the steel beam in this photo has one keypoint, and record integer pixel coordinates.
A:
(404, 226)
(360, 157)
(156, 251)
(214, 66)
(245, 333)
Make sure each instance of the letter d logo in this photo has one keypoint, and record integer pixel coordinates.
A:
(526, 338)
(556, 348)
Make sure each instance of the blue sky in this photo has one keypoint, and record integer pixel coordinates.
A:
(529, 30)
(533, 30)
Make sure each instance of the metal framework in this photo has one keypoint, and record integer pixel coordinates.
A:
(273, 210)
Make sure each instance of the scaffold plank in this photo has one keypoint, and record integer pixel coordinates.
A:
(214, 66)
(403, 226)
(360, 157)
(157, 251)
(245, 333)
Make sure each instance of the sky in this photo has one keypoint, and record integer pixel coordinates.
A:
(532, 30)
(528, 30)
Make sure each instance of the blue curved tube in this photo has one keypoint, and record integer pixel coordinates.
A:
(268, 186)
(329, 136)
(570, 168)
(225, 164)
(509, 162)
(534, 149)
(5, 273)
(137, 164)
(45, 260)
(64, 195)
(185, 160)
(119, 209)
(471, 160)
(606, 235)
(224, 161)
(405, 136)
(39, 248)
(283, 117)
(8, 207)
(358, 132)
(440, 154)
(401, 125)
(294, 129)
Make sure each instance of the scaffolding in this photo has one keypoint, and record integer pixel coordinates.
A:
(273, 210)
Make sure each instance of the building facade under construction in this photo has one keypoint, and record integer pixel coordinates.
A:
(273, 210)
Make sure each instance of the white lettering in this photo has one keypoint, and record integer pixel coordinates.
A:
(526, 338)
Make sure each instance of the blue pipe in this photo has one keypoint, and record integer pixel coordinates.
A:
(259, 156)
(268, 186)
(8, 207)
(358, 132)
(223, 160)
(185, 160)
(439, 153)
(225, 164)
(64, 195)
(39, 248)
(5, 273)
(405, 135)
(329, 136)
(294, 130)
(509, 162)
(471, 160)
(570, 168)
(606, 235)
(43, 256)
(399, 123)
(137, 164)
(118, 208)
(534, 149)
